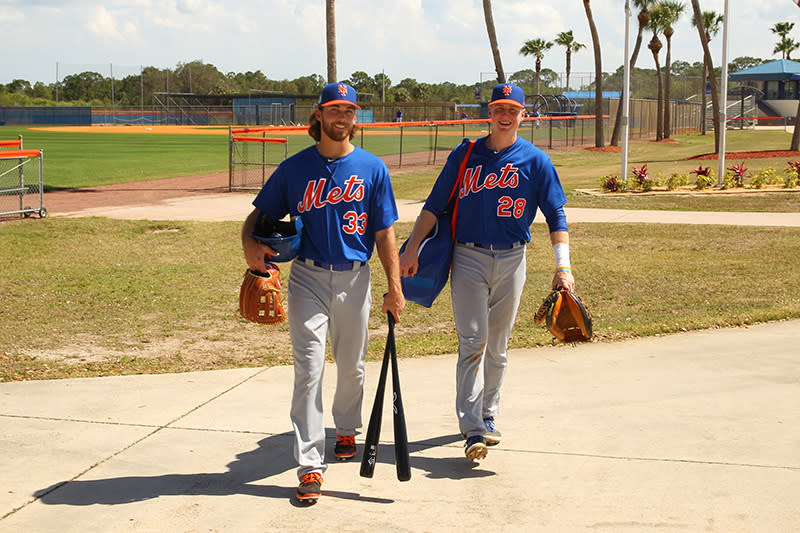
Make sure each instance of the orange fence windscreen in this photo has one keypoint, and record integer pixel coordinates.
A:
(15, 154)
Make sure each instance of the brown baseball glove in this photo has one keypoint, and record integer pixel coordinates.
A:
(260, 296)
(566, 316)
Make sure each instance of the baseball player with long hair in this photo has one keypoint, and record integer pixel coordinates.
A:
(346, 203)
(506, 180)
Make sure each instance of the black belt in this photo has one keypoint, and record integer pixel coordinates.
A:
(493, 246)
(340, 267)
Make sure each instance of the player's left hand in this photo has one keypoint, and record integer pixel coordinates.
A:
(563, 279)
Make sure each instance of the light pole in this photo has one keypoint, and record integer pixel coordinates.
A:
(626, 88)
(724, 99)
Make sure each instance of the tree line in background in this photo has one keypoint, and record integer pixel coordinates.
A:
(92, 88)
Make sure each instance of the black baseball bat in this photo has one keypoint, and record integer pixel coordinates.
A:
(401, 458)
(374, 427)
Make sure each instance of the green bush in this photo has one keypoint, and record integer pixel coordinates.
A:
(676, 180)
(763, 177)
(790, 175)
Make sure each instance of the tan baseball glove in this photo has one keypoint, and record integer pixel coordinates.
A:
(260, 296)
(566, 316)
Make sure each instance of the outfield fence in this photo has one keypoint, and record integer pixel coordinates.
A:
(686, 116)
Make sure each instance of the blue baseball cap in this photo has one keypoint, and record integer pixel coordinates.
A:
(508, 93)
(337, 93)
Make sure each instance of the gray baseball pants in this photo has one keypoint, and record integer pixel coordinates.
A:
(486, 287)
(324, 304)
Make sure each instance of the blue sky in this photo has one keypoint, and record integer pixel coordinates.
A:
(429, 40)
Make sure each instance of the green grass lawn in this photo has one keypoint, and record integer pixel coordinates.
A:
(74, 160)
(149, 297)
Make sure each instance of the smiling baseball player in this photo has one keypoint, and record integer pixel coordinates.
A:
(506, 180)
(344, 197)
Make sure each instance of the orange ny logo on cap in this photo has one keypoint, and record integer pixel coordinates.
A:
(342, 90)
(507, 90)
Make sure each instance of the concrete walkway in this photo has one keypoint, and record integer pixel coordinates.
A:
(691, 432)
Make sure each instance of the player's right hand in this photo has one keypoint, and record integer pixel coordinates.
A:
(257, 255)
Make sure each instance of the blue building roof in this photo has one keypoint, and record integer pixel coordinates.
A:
(781, 69)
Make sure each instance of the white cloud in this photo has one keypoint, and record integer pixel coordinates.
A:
(9, 15)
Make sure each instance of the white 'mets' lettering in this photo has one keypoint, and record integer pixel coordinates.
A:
(313, 196)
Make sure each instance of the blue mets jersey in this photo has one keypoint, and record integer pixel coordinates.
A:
(500, 192)
(342, 202)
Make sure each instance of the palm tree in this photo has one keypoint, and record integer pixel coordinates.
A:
(658, 18)
(644, 21)
(498, 64)
(567, 40)
(782, 29)
(536, 48)
(599, 141)
(709, 64)
(675, 10)
(330, 38)
(786, 46)
(712, 22)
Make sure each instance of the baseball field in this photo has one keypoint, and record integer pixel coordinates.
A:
(96, 296)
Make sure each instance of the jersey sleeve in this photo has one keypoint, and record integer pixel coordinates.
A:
(551, 194)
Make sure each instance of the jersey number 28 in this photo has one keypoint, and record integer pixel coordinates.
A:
(508, 207)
